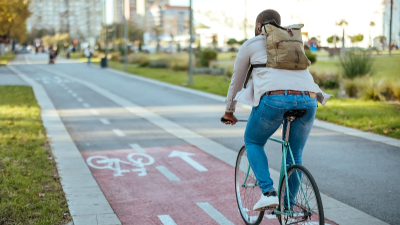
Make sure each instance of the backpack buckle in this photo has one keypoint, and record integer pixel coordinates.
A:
(290, 31)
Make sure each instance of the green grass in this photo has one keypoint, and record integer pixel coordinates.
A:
(27, 168)
(5, 58)
(213, 84)
(384, 67)
(375, 117)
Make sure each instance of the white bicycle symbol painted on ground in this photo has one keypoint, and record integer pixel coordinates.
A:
(102, 162)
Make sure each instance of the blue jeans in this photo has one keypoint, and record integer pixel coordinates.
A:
(88, 60)
(264, 120)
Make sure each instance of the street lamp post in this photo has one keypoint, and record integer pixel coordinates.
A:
(126, 17)
(390, 27)
(190, 44)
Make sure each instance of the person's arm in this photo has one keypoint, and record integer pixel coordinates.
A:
(241, 66)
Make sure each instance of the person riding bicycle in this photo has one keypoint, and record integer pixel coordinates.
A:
(272, 92)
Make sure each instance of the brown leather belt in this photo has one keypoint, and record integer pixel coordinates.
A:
(291, 92)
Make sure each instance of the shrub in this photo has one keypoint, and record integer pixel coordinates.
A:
(371, 89)
(356, 64)
(115, 56)
(395, 90)
(179, 65)
(312, 57)
(206, 56)
(229, 72)
(328, 81)
(158, 64)
(350, 87)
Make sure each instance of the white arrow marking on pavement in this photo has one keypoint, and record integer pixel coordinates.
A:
(166, 220)
(137, 148)
(86, 105)
(211, 211)
(186, 158)
(118, 132)
(79, 100)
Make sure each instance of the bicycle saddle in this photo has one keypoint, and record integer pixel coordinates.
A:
(296, 113)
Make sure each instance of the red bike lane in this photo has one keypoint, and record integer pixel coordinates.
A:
(167, 185)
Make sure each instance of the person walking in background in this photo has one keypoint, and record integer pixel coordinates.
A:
(88, 53)
(52, 54)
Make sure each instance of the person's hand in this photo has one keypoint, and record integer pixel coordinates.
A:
(229, 116)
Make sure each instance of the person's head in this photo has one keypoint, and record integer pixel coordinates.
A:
(265, 16)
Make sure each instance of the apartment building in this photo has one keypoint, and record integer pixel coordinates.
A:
(80, 18)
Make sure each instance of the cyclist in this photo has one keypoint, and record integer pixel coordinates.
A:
(272, 92)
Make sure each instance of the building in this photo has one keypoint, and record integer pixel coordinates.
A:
(79, 18)
(395, 22)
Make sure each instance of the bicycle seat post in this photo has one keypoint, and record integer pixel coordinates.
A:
(289, 120)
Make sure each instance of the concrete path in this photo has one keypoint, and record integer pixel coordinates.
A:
(114, 115)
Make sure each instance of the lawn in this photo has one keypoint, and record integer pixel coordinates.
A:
(376, 117)
(214, 84)
(30, 189)
(385, 66)
(5, 58)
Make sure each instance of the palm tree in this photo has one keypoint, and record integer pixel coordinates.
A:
(371, 24)
(342, 23)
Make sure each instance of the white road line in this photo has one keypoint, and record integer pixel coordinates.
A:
(166, 220)
(75, 95)
(211, 211)
(105, 121)
(119, 133)
(79, 100)
(137, 148)
(271, 216)
(171, 176)
(94, 112)
(86, 105)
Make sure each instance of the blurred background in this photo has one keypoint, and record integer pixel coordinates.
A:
(353, 44)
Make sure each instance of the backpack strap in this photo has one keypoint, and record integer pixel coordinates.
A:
(250, 70)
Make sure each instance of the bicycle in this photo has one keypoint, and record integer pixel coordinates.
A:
(297, 207)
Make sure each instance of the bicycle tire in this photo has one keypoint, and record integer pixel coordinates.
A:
(312, 200)
(246, 197)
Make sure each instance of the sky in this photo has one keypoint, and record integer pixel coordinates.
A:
(319, 16)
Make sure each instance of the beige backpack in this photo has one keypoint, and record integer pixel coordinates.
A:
(285, 48)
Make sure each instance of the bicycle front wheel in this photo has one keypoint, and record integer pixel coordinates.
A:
(304, 197)
(247, 190)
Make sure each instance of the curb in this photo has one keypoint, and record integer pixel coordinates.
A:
(86, 202)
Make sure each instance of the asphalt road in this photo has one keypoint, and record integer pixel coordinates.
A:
(361, 173)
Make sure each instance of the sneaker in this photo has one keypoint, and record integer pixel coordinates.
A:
(268, 200)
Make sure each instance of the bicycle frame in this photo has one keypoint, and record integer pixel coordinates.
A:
(283, 173)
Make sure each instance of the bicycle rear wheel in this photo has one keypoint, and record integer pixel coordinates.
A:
(305, 201)
(247, 190)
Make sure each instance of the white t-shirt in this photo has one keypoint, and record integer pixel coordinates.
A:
(253, 51)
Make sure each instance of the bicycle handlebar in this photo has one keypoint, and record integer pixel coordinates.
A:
(239, 120)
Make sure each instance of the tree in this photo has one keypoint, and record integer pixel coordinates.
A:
(333, 39)
(232, 41)
(356, 38)
(343, 23)
(371, 24)
(13, 16)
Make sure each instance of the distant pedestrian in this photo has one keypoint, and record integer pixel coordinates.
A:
(88, 53)
(52, 54)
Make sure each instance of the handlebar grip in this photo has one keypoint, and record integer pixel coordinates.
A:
(224, 120)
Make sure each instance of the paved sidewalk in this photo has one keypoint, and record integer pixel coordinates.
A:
(7, 77)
